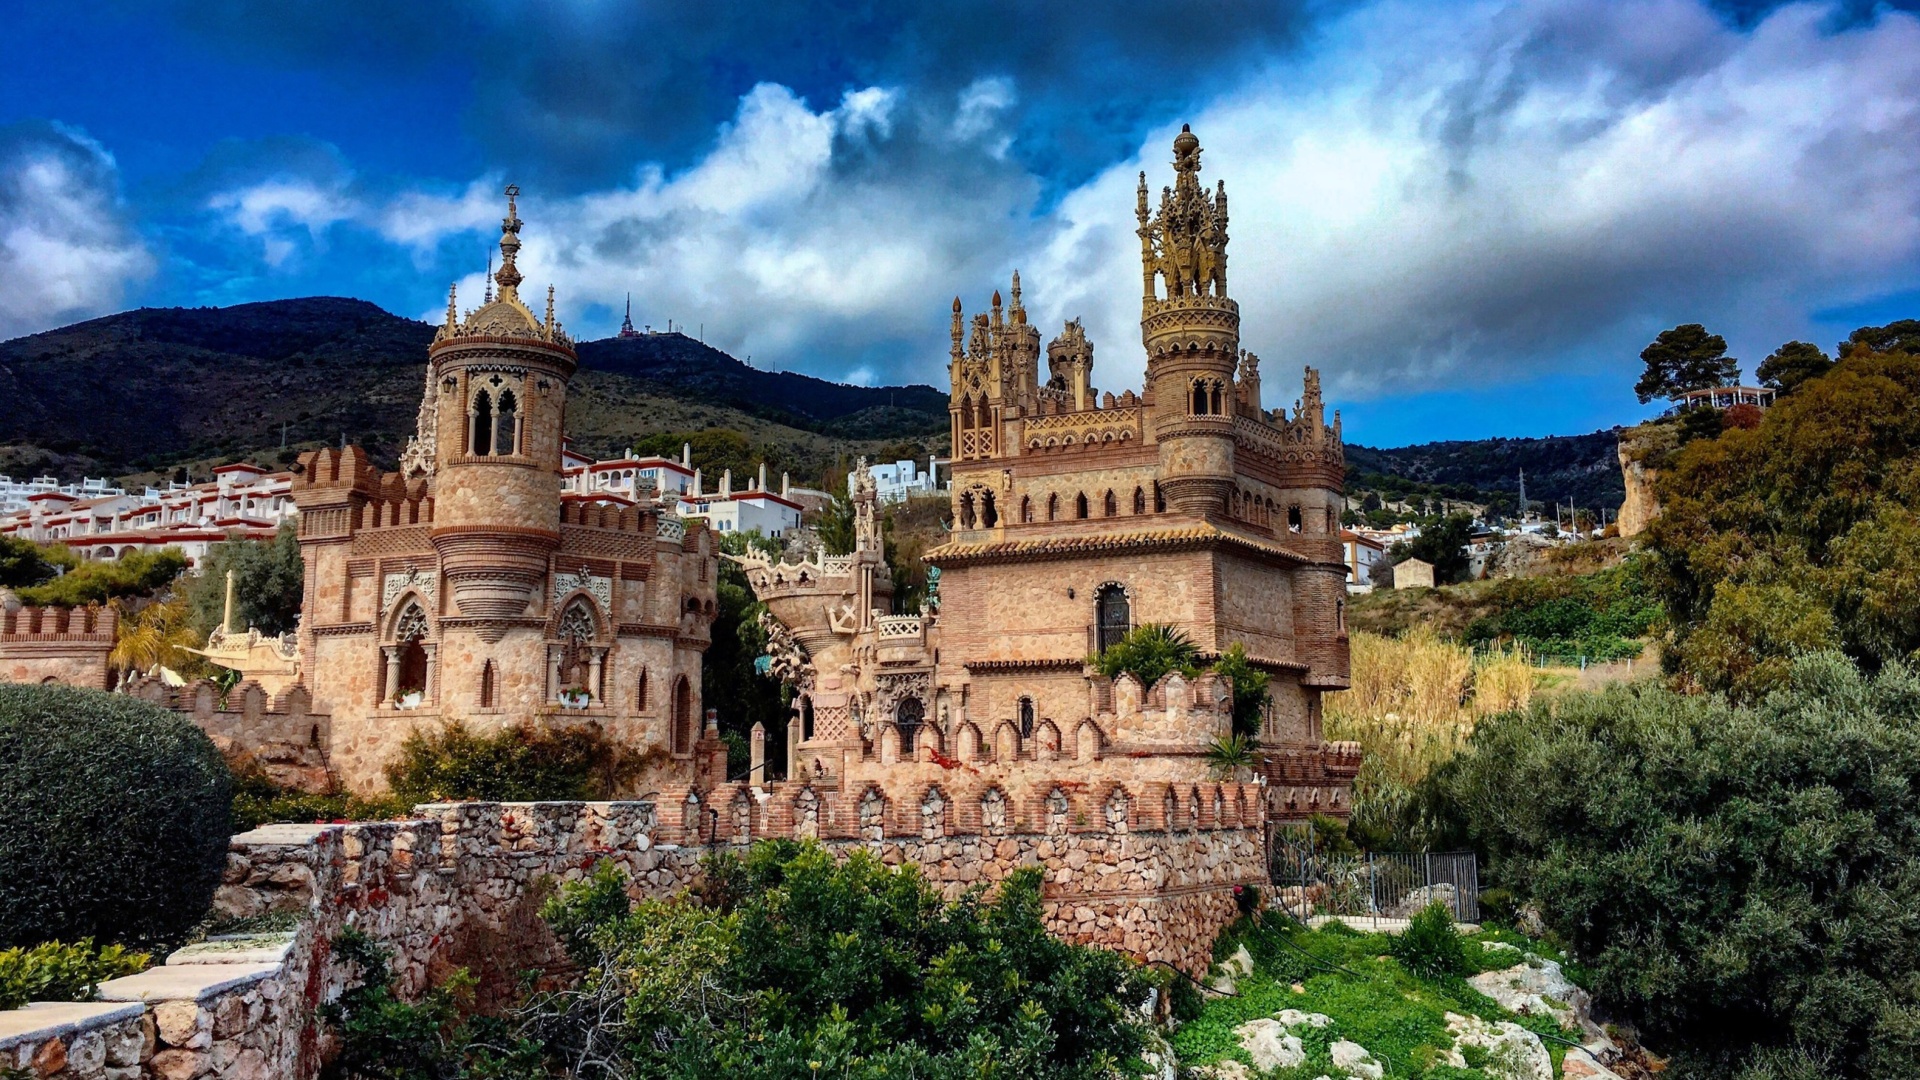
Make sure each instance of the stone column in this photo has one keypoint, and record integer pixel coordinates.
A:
(392, 685)
(793, 748)
(593, 673)
(757, 755)
(553, 674)
(427, 692)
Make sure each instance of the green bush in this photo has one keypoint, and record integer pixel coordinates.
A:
(259, 801)
(383, 1037)
(518, 764)
(1731, 876)
(1148, 653)
(1431, 946)
(794, 965)
(142, 573)
(58, 972)
(116, 818)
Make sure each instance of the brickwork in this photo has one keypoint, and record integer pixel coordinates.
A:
(56, 645)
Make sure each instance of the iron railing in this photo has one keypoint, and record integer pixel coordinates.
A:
(1310, 880)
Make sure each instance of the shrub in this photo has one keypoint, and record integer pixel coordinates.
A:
(142, 573)
(794, 964)
(116, 820)
(1148, 653)
(518, 764)
(58, 972)
(436, 1038)
(1431, 946)
(1715, 866)
(258, 801)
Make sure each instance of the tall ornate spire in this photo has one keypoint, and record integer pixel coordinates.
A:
(1184, 245)
(509, 275)
(626, 323)
(959, 331)
(487, 297)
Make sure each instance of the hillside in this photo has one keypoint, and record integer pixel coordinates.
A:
(1583, 470)
(142, 392)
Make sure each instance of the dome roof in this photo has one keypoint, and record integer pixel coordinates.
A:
(506, 315)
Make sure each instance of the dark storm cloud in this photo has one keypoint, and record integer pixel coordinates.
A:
(581, 91)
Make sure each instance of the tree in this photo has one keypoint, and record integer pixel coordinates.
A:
(1895, 337)
(269, 583)
(1685, 358)
(1249, 688)
(157, 634)
(23, 564)
(136, 576)
(1798, 533)
(794, 965)
(1792, 364)
(1734, 878)
(730, 682)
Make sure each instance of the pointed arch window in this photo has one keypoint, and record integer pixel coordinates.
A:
(1139, 501)
(966, 412)
(1199, 397)
(682, 716)
(1026, 510)
(640, 692)
(1026, 718)
(907, 717)
(1080, 505)
(966, 510)
(1114, 615)
(1110, 506)
(504, 424)
(989, 517)
(489, 684)
(1053, 507)
(482, 423)
(1218, 407)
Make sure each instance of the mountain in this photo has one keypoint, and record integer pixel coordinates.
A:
(144, 391)
(1582, 470)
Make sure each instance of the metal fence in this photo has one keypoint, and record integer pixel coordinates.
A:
(1309, 880)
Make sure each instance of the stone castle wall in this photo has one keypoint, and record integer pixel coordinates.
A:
(460, 886)
(56, 645)
(285, 737)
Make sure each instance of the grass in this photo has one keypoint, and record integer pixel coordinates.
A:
(1349, 977)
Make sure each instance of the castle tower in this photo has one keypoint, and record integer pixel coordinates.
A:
(995, 370)
(1191, 331)
(501, 382)
(1070, 366)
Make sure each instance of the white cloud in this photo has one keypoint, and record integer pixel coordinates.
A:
(1433, 197)
(273, 210)
(1440, 200)
(66, 250)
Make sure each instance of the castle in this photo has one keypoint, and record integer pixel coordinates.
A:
(466, 586)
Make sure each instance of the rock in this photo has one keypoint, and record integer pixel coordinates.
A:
(1580, 1065)
(1294, 1018)
(1538, 988)
(1226, 1070)
(1232, 969)
(1354, 1060)
(1513, 1052)
(1417, 900)
(1269, 1044)
(1530, 922)
(1499, 946)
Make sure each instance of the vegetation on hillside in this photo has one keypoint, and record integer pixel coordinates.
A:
(269, 582)
(1736, 878)
(1386, 994)
(1798, 534)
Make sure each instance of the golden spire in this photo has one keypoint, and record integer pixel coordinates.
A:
(509, 275)
(453, 312)
(549, 309)
(958, 351)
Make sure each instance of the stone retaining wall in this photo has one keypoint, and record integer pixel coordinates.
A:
(461, 886)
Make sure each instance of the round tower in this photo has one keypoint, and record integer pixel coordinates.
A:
(1191, 331)
(500, 378)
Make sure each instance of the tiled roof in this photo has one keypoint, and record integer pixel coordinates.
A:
(1200, 534)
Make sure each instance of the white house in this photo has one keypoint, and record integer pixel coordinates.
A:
(900, 480)
(1361, 553)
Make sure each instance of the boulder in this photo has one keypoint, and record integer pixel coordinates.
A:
(1294, 1018)
(1354, 1060)
(1513, 1052)
(1538, 987)
(1269, 1044)
(1231, 971)
(1417, 900)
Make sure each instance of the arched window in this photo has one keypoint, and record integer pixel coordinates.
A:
(989, 517)
(1112, 506)
(640, 692)
(1026, 510)
(410, 669)
(1053, 507)
(1113, 614)
(966, 509)
(1199, 397)
(503, 424)
(1026, 718)
(1080, 505)
(806, 718)
(906, 720)
(682, 716)
(489, 679)
(966, 412)
(1159, 499)
(1218, 407)
(1293, 518)
(482, 423)
(1139, 501)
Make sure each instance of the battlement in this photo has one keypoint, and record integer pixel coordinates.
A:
(349, 467)
(284, 736)
(598, 515)
(89, 623)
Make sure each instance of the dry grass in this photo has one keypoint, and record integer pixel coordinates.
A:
(1417, 697)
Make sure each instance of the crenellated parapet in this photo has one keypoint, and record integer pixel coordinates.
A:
(284, 735)
(67, 645)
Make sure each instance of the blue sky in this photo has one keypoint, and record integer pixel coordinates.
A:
(1470, 216)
